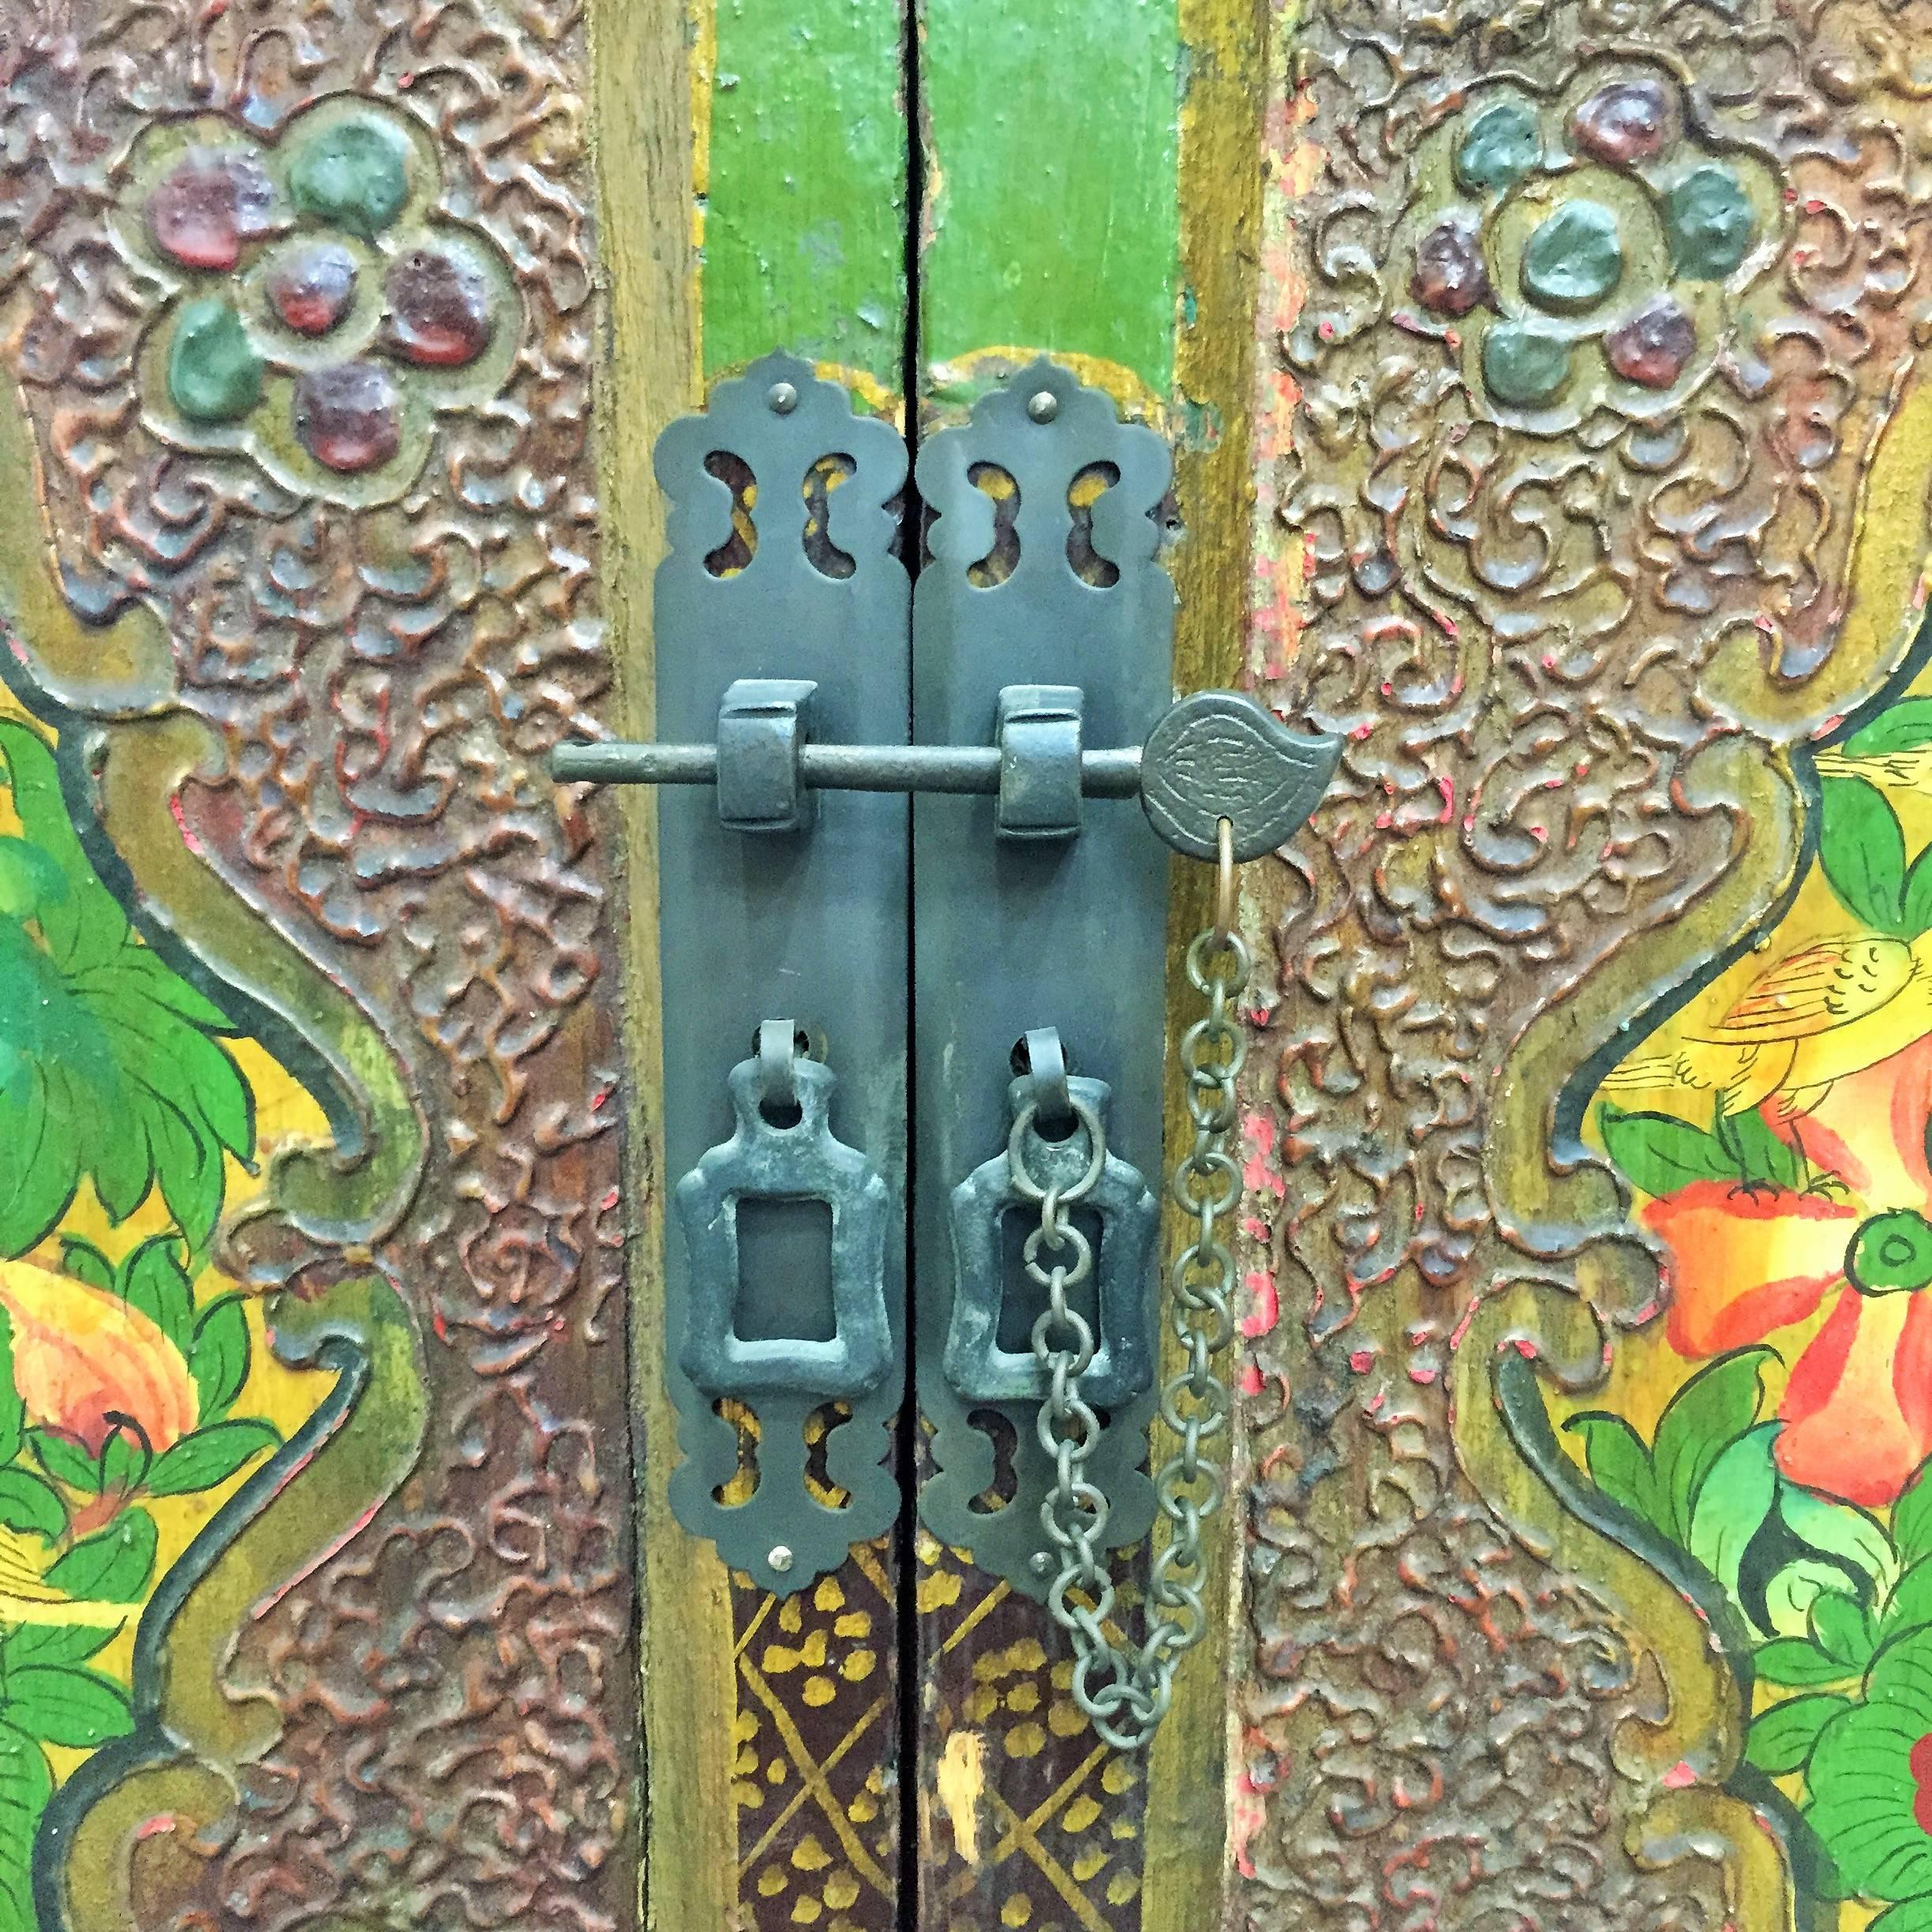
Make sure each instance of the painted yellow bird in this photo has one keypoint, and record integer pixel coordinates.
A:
(1830, 1009)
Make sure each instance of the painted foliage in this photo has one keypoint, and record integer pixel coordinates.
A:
(1592, 506)
(1772, 1432)
(135, 1391)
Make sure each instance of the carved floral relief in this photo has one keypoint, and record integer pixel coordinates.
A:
(1587, 1167)
(310, 1227)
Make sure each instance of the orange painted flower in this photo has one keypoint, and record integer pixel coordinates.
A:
(81, 1356)
(1857, 1410)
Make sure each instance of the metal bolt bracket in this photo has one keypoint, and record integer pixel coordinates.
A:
(762, 729)
(1039, 736)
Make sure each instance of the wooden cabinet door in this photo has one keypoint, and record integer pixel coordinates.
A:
(1543, 385)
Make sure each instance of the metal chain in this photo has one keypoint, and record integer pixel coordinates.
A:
(1125, 1690)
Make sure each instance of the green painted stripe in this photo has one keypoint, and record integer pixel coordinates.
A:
(1052, 206)
(804, 232)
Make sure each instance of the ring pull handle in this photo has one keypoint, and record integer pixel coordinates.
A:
(778, 1065)
(1047, 1077)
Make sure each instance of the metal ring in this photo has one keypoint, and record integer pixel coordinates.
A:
(1046, 1077)
(777, 1050)
(1025, 1187)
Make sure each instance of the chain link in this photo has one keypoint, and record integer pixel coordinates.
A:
(1125, 1689)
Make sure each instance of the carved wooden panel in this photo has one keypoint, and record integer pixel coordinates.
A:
(1593, 502)
(1582, 1539)
(297, 341)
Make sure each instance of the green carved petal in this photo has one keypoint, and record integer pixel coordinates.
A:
(1524, 366)
(214, 375)
(1500, 148)
(1575, 259)
(1711, 223)
(352, 174)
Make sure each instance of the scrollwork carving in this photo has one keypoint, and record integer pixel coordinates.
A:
(1598, 484)
(335, 621)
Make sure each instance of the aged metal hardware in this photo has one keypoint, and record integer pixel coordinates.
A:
(1036, 686)
(782, 1151)
(1078, 1170)
(1041, 570)
(1214, 756)
(1125, 1689)
(771, 1157)
(771, 573)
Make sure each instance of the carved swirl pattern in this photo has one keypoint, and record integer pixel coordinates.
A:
(383, 672)
(1567, 603)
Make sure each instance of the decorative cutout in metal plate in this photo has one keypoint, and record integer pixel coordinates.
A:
(781, 558)
(1042, 572)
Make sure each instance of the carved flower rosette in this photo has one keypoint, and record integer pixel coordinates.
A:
(321, 307)
(1597, 250)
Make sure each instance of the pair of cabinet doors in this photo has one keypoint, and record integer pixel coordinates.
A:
(1543, 388)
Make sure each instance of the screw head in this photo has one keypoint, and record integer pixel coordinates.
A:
(1042, 405)
(1039, 1562)
(779, 1558)
(781, 398)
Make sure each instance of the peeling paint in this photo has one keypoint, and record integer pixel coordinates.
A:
(961, 1782)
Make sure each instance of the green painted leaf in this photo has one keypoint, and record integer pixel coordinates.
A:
(1901, 727)
(209, 1456)
(1911, 1516)
(124, 1460)
(122, 1165)
(1915, 916)
(1709, 1413)
(135, 998)
(13, 1411)
(1781, 1738)
(1758, 1153)
(1862, 1800)
(1912, 1915)
(60, 1705)
(152, 1279)
(1733, 1503)
(86, 922)
(1841, 1625)
(112, 1566)
(26, 1785)
(187, 1170)
(219, 1361)
(38, 1167)
(1862, 848)
(1659, 1153)
(30, 1505)
(86, 1262)
(28, 879)
(1911, 1601)
(56, 1643)
(1839, 1529)
(1618, 1463)
(64, 1460)
(1790, 1594)
(1792, 1662)
(110, 1068)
